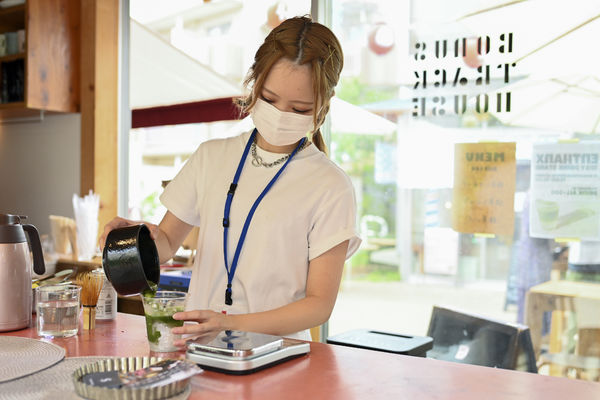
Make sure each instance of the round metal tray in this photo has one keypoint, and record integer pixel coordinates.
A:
(125, 364)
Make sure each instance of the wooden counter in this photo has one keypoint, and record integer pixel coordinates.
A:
(335, 372)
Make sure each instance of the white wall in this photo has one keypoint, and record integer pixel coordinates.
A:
(40, 168)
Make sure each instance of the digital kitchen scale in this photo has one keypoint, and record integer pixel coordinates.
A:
(238, 352)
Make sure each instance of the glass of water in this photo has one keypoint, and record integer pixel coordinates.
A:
(159, 308)
(57, 310)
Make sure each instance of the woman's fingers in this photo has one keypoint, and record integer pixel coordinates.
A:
(194, 315)
(119, 222)
(192, 329)
(207, 321)
(180, 342)
(114, 223)
(199, 338)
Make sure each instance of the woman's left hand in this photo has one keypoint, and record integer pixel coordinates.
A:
(207, 322)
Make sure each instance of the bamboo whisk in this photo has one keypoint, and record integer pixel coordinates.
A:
(91, 285)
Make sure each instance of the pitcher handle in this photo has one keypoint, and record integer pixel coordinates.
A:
(38, 256)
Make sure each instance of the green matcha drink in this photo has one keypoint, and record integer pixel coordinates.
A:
(159, 308)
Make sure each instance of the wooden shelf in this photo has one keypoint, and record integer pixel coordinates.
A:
(12, 57)
(17, 112)
(51, 56)
(12, 105)
(12, 18)
(11, 10)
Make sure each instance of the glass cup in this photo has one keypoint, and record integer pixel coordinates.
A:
(57, 310)
(159, 310)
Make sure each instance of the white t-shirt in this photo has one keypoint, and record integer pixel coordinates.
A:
(310, 209)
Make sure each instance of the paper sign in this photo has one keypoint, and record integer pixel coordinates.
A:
(484, 188)
(440, 251)
(564, 190)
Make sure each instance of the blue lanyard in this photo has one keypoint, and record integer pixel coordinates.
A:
(230, 193)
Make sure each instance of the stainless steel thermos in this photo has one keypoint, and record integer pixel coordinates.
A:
(15, 271)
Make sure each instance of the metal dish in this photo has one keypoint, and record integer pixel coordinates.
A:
(124, 364)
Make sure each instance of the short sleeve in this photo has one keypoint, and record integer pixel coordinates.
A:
(181, 196)
(334, 223)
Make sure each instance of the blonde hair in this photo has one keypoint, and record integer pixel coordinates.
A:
(301, 41)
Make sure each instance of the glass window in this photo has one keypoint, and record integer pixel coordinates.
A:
(185, 52)
(156, 156)
(455, 121)
(470, 132)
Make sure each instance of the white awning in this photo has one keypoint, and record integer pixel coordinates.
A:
(161, 74)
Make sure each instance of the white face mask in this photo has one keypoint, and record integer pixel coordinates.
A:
(280, 128)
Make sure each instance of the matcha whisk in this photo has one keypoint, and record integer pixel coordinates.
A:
(91, 284)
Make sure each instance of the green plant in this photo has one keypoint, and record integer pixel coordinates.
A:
(356, 154)
(382, 275)
(352, 90)
(149, 205)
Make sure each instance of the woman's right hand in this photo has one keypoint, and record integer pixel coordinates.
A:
(119, 222)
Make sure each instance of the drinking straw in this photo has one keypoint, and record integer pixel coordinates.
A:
(86, 219)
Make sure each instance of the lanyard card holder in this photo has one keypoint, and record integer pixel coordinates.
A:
(238, 352)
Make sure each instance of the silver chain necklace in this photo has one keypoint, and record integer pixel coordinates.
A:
(257, 160)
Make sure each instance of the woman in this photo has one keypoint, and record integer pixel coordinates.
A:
(285, 212)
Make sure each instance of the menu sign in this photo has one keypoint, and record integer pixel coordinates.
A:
(484, 187)
(564, 190)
